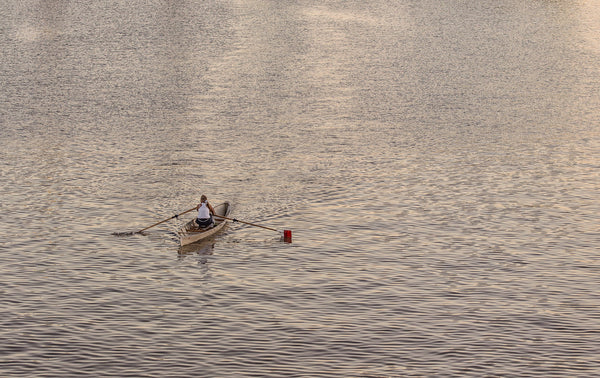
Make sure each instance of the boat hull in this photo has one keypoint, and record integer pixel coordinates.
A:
(190, 233)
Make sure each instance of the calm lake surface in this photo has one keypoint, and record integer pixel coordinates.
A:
(438, 163)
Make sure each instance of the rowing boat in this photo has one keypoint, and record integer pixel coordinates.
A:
(190, 233)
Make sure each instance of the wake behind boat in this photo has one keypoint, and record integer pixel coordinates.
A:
(191, 233)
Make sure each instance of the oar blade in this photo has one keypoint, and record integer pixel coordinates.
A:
(287, 236)
(124, 233)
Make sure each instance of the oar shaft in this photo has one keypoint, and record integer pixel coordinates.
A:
(168, 219)
(248, 223)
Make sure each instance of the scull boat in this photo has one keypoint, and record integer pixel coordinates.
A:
(191, 233)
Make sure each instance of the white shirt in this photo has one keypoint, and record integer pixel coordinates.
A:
(203, 211)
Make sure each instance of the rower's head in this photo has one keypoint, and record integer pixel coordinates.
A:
(203, 198)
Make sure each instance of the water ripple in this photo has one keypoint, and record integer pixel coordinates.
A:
(438, 174)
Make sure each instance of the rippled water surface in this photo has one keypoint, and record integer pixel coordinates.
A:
(437, 163)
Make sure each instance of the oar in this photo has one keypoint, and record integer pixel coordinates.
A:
(155, 224)
(287, 234)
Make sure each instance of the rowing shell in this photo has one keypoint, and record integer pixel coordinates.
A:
(190, 233)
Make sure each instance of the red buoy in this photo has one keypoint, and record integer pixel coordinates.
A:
(287, 236)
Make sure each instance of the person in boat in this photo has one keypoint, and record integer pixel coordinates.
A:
(205, 213)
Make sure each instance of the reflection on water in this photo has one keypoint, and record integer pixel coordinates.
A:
(199, 252)
(202, 248)
(437, 163)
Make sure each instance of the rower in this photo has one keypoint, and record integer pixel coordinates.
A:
(205, 213)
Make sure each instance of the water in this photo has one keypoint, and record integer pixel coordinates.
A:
(437, 163)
